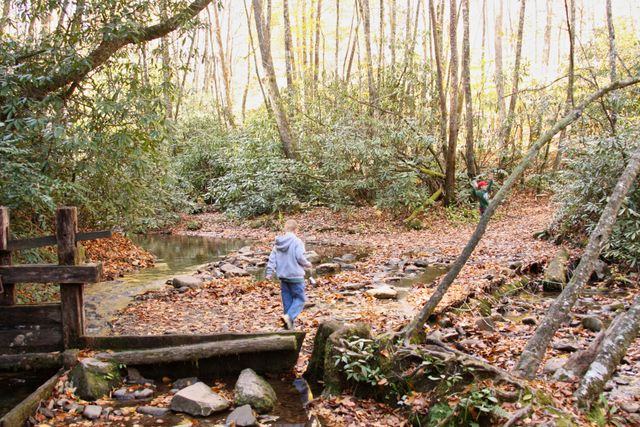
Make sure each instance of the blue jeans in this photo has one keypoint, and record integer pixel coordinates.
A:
(292, 298)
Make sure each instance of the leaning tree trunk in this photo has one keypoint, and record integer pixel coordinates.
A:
(613, 349)
(288, 143)
(469, 155)
(414, 329)
(558, 312)
(450, 169)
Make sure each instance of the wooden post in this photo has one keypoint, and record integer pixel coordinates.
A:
(70, 294)
(8, 294)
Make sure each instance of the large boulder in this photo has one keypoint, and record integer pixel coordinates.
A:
(198, 400)
(251, 389)
(187, 282)
(555, 275)
(94, 378)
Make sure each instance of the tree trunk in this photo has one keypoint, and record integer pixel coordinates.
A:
(288, 142)
(337, 52)
(252, 52)
(547, 34)
(514, 86)
(181, 89)
(364, 12)
(303, 33)
(6, 10)
(558, 312)
(570, 14)
(612, 351)
(468, 101)
(437, 47)
(499, 76)
(450, 168)
(288, 45)
(316, 50)
(613, 75)
(414, 329)
(392, 32)
(224, 65)
(381, 46)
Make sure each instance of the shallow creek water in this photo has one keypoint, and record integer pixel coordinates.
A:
(16, 386)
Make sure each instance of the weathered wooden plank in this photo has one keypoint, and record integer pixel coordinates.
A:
(38, 242)
(51, 273)
(8, 292)
(30, 339)
(43, 314)
(202, 351)
(133, 342)
(19, 415)
(31, 361)
(71, 296)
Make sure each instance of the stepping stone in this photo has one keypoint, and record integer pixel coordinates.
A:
(241, 416)
(198, 400)
(153, 411)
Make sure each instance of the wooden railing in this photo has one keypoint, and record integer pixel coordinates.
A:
(45, 327)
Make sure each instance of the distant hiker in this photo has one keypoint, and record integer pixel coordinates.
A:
(481, 190)
(287, 260)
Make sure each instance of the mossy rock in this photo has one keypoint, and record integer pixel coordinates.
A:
(94, 379)
(334, 379)
(315, 369)
(252, 389)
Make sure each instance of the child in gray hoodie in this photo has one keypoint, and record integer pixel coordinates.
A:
(287, 260)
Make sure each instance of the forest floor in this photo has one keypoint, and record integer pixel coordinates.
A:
(386, 250)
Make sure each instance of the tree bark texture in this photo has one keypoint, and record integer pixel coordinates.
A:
(469, 155)
(224, 65)
(613, 75)
(414, 328)
(284, 129)
(437, 47)
(450, 165)
(366, 21)
(558, 312)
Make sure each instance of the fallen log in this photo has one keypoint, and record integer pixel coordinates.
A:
(202, 351)
(35, 361)
(613, 349)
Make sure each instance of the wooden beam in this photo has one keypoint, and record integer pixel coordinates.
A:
(51, 273)
(27, 314)
(31, 361)
(19, 415)
(8, 292)
(38, 242)
(71, 296)
(202, 351)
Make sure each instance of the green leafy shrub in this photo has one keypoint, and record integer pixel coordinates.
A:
(592, 167)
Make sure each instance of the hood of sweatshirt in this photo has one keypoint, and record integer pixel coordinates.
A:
(284, 242)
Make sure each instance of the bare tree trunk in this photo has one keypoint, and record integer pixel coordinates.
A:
(468, 101)
(288, 45)
(224, 64)
(288, 142)
(500, 84)
(194, 36)
(316, 51)
(392, 32)
(547, 34)
(252, 52)
(6, 10)
(611, 352)
(166, 67)
(613, 75)
(437, 47)
(337, 52)
(303, 32)
(450, 168)
(413, 330)
(381, 46)
(561, 307)
(514, 85)
(354, 47)
(570, 14)
(364, 12)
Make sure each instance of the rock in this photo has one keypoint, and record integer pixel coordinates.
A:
(529, 320)
(592, 323)
(413, 269)
(383, 292)
(348, 267)
(565, 346)
(93, 378)
(553, 365)
(315, 367)
(251, 389)
(183, 289)
(92, 412)
(614, 307)
(497, 317)
(187, 282)
(348, 258)
(555, 275)
(152, 410)
(134, 377)
(122, 394)
(422, 263)
(245, 250)
(231, 270)
(241, 416)
(198, 400)
(353, 286)
(185, 382)
(328, 268)
(312, 257)
(445, 322)
(449, 334)
(143, 394)
(471, 342)
(630, 407)
(485, 324)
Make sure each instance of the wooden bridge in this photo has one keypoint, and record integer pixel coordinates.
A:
(36, 336)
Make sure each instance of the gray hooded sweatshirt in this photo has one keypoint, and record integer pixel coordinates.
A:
(287, 258)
